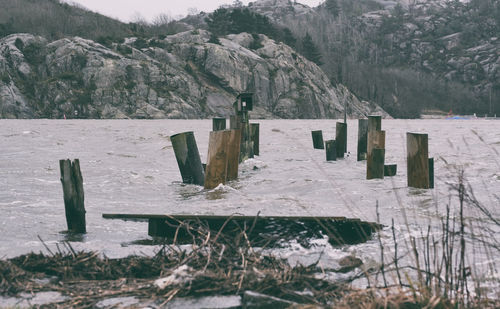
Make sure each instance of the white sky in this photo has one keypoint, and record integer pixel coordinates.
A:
(127, 10)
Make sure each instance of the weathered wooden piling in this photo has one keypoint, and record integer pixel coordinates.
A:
(417, 158)
(331, 151)
(390, 170)
(376, 167)
(340, 138)
(222, 158)
(362, 138)
(233, 154)
(74, 204)
(374, 123)
(218, 124)
(243, 105)
(317, 137)
(431, 173)
(254, 127)
(217, 159)
(188, 158)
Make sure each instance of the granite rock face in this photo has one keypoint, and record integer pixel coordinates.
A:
(180, 76)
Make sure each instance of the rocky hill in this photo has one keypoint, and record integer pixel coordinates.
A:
(185, 75)
(405, 55)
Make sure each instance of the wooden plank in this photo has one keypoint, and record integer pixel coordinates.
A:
(74, 205)
(417, 158)
(141, 217)
(188, 158)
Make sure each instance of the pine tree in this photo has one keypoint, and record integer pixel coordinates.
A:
(310, 51)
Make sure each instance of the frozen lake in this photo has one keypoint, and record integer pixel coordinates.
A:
(129, 166)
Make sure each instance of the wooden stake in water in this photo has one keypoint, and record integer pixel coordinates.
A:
(254, 127)
(390, 170)
(72, 183)
(331, 151)
(431, 173)
(417, 158)
(362, 138)
(223, 157)
(218, 124)
(188, 158)
(317, 137)
(340, 138)
(376, 168)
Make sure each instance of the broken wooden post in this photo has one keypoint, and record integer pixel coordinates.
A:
(417, 157)
(376, 168)
(390, 170)
(218, 124)
(254, 128)
(188, 158)
(223, 157)
(374, 126)
(72, 183)
(331, 151)
(340, 138)
(362, 138)
(217, 159)
(374, 123)
(431, 173)
(317, 137)
(376, 140)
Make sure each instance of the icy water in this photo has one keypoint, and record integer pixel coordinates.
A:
(129, 166)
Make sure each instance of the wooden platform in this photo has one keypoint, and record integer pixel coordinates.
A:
(269, 230)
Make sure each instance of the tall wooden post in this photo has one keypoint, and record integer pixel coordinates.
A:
(218, 124)
(331, 151)
(417, 157)
(188, 158)
(72, 183)
(254, 127)
(340, 138)
(317, 137)
(233, 154)
(375, 169)
(374, 123)
(362, 139)
(222, 158)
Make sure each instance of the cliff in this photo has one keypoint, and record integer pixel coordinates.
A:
(186, 75)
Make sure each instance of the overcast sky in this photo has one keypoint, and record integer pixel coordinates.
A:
(127, 10)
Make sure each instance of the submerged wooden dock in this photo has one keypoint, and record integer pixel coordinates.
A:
(260, 230)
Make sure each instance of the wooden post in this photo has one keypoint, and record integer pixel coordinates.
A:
(217, 159)
(317, 137)
(417, 157)
(234, 122)
(376, 168)
(431, 173)
(376, 140)
(233, 154)
(218, 124)
(72, 183)
(340, 138)
(390, 170)
(223, 157)
(254, 127)
(362, 138)
(188, 158)
(374, 123)
(331, 151)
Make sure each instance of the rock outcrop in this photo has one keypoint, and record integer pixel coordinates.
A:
(181, 76)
